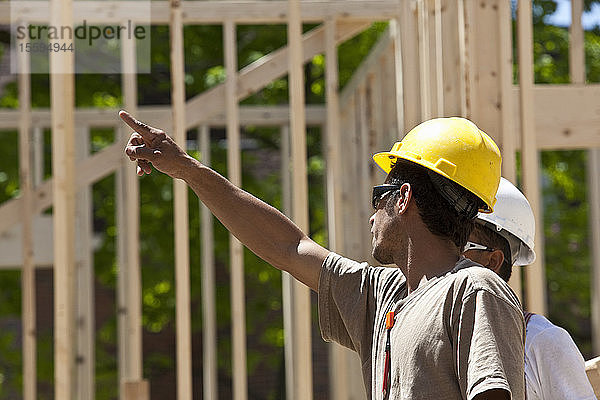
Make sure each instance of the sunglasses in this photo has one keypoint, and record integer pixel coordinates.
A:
(476, 246)
(380, 191)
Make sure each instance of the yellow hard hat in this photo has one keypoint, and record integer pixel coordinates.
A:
(454, 148)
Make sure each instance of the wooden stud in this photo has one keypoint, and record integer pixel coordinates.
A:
(132, 199)
(209, 315)
(62, 94)
(180, 197)
(396, 33)
(286, 279)
(439, 59)
(86, 354)
(26, 172)
(136, 390)
(424, 63)
(507, 133)
(209, 12)
(129, 275)
(409, 30)
(536, 286)
(236, 255)
(302, 358)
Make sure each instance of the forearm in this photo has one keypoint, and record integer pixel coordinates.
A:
(259, 226)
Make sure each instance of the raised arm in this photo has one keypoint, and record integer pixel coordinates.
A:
(260, 227)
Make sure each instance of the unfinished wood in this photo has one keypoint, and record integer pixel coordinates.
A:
(37, 145)
(594, 199)
(286, 279)
(452, 58)
(26, 173)
(565, 116)
(85, 382)
(536, 280)
(396, 34)
(262, 115)
(576, 44)
(424, 63)
(365, 172)
(236, 256)
(302, 359)
(207, 12)
(409, 30)
(507, 133)
(180, 199)
(338, 371)
(133, 298)
(136, 390)
(62, 93)
(439, 59)
(469, 33)
(209, 314)
(263, 71)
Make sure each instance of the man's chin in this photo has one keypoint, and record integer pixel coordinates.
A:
(381, 258)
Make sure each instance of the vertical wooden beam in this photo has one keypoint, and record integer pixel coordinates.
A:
(85, 280)
(180, 197)
(507, 131)
(536, 279)
(62, 92)
(409, 30)
(38, 155)
(286, 279)
(209, 317)
(338, 366)
(470, 60)
(576, 44)
(364, 173)
(129, 274)
(28, 314)
(439, 59)
(398, 76)
(132, 196)
(236, 255)
(424, 63)
(462, 50)
(302, 353)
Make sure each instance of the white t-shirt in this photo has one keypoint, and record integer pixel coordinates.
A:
(554, 367)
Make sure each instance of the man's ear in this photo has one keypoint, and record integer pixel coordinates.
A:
(404, 198)
(496, 260)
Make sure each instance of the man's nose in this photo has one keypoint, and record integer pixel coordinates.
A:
(372, 219)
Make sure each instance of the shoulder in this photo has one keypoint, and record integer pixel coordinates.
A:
(475, 278)
(540, 332)
(336, 265)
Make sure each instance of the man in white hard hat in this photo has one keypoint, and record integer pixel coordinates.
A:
(437, 327)
(554, 367)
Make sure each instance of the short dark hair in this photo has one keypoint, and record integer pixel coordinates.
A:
(491, 238)
(436, 212)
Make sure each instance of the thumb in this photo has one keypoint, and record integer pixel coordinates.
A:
(142, 152)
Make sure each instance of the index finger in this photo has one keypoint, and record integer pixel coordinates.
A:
(146, 131)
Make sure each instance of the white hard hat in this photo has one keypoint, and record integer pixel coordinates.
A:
(513, 219)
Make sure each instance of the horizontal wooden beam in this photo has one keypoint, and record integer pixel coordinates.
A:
(566, 116)
(203, 12)
(87, 171)
(107, 117)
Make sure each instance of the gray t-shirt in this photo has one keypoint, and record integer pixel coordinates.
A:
(455, 336)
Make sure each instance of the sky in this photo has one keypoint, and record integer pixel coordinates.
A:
(562, 16)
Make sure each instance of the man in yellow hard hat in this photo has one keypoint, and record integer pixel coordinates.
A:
(437, 327)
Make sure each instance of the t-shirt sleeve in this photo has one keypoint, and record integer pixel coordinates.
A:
(489, 345)
(348, 293)
(559, 366)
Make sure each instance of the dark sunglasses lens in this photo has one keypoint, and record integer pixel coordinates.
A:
(379, 191)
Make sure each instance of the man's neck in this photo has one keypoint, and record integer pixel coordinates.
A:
(427, 257)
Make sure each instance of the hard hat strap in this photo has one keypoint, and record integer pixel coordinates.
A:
(454, 194)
